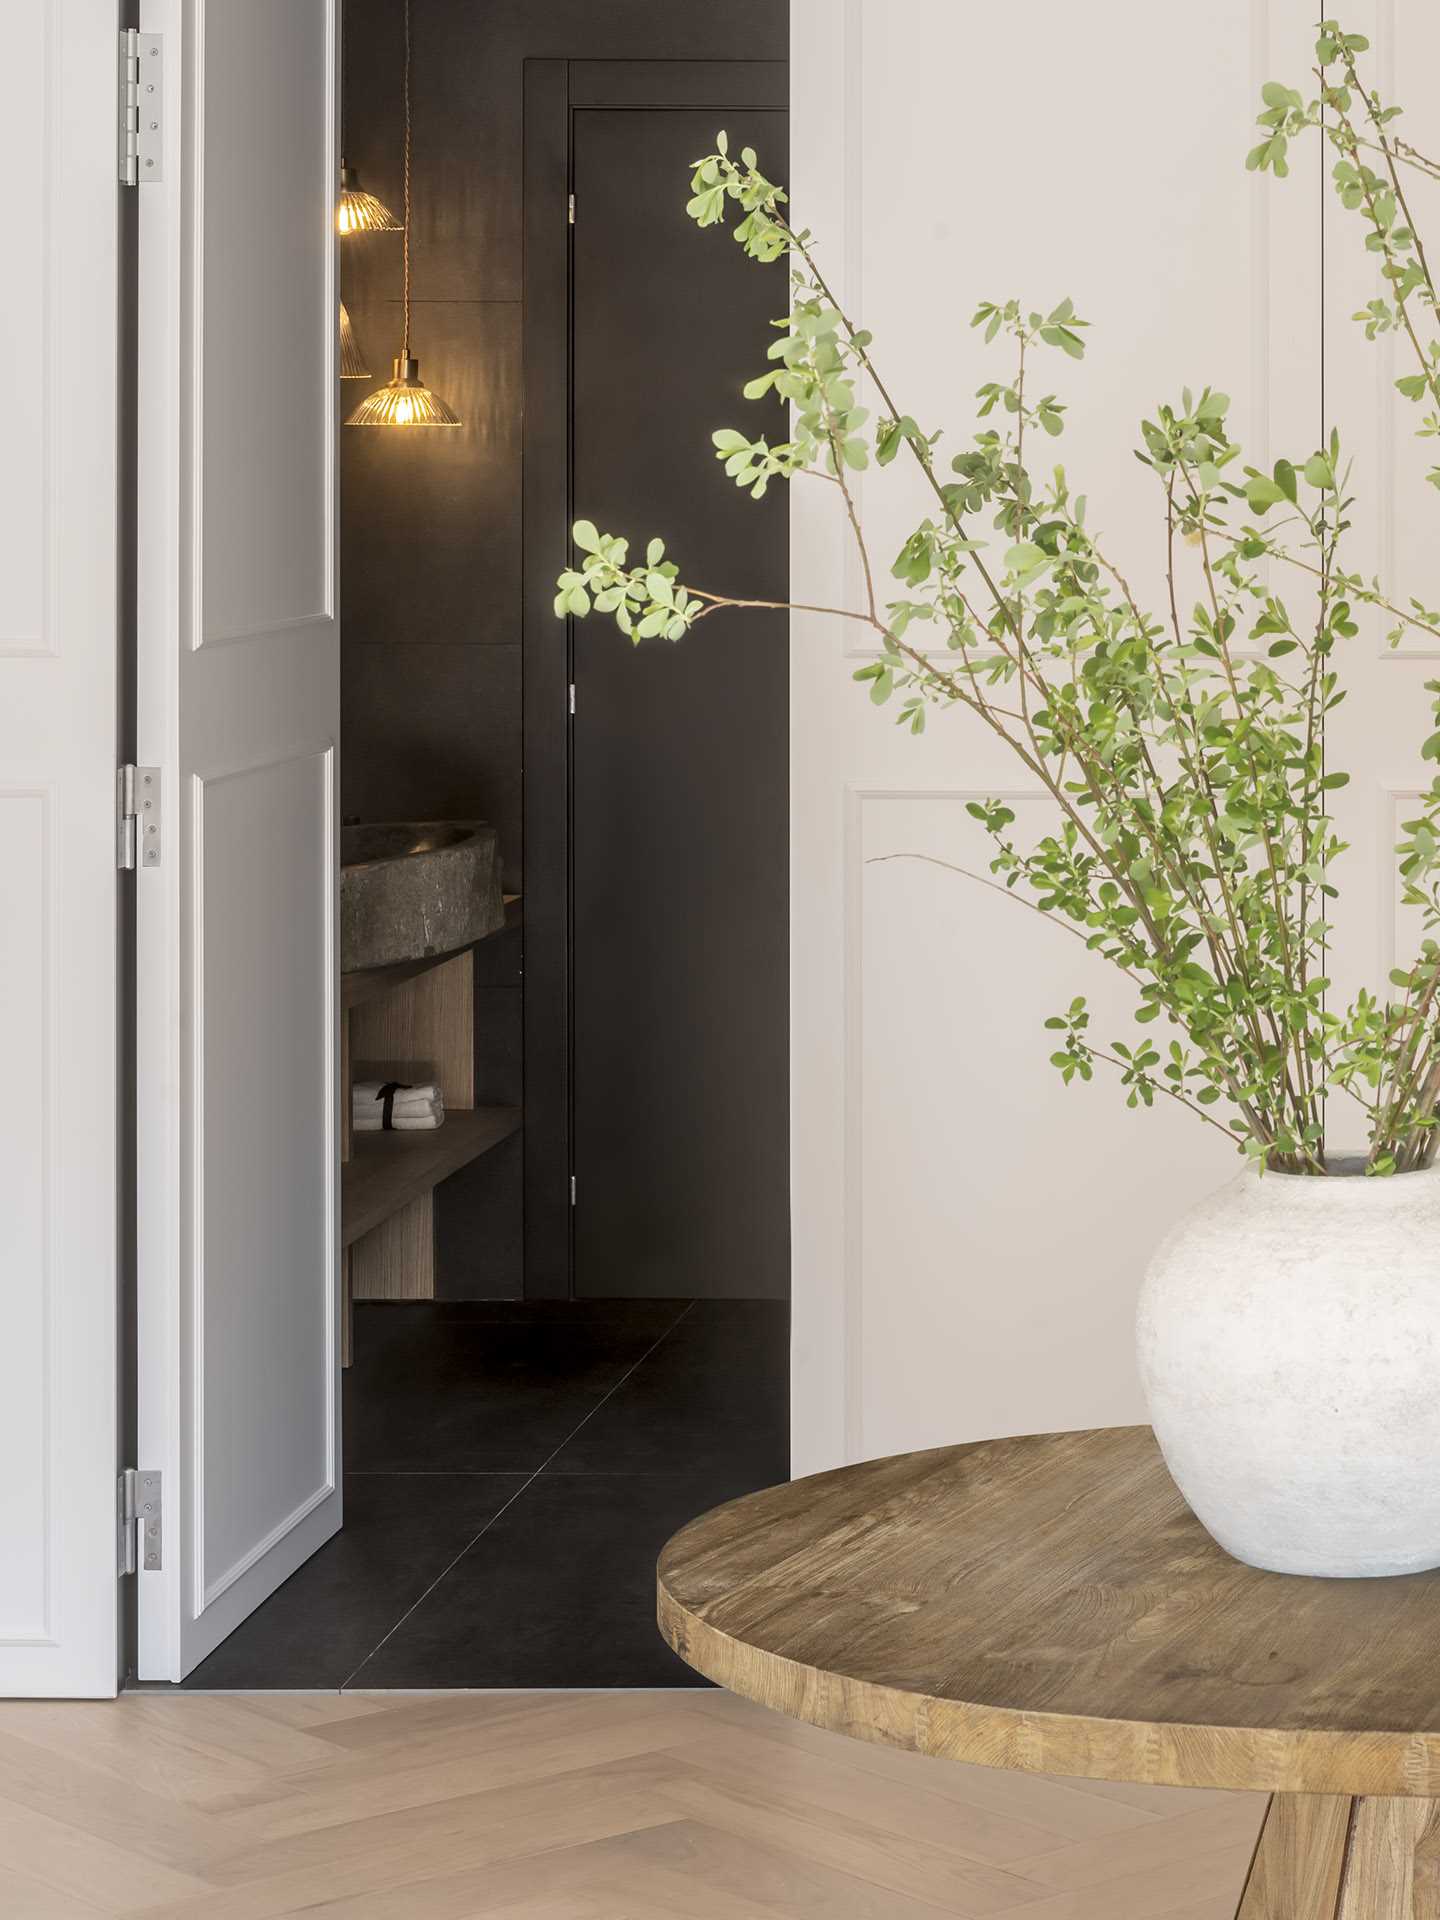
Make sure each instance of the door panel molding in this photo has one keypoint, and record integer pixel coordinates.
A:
(28, 980)
(253, 389)
(30, 324)
(208, 1595)
(322, 758)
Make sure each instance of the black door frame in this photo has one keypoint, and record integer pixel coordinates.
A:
(555, 90)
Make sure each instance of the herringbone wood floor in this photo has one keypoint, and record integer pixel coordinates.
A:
(636, 1806)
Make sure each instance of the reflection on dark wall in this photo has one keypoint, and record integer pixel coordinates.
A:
(430, 524)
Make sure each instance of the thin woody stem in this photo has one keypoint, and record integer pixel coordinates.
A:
(1350, 145)
(1366, 595)
(1283, 1043)
(1035, 758)
(1391, 168)
(716, 601)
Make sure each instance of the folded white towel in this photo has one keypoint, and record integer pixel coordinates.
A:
(411, 1108)
(367, 1093)
(403, 1123)
(407, 1110)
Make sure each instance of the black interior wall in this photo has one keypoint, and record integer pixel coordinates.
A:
(431, 527)
(431, 522)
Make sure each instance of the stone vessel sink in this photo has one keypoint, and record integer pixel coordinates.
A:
(410, 889)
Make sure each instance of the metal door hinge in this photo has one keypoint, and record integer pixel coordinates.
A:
(572, 696)
(140, 1511)
(137, 817)
(142, 98)
(572, 209)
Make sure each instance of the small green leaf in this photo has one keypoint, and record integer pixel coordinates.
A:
(1319, 472)
(1263, 494)
(1025, 558)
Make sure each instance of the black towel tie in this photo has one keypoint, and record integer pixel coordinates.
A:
(386, 1096)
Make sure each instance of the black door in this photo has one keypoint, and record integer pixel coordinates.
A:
(679, 768)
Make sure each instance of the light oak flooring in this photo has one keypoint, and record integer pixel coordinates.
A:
(562, 1806)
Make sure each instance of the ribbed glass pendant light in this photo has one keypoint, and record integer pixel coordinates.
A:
(352, 360)
(359, 212)
(404, 401)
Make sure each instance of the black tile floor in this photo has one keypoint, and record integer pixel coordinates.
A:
(512, 1469)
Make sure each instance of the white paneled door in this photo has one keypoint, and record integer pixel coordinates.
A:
(239, 708)
(58, 922)
(968, 1232)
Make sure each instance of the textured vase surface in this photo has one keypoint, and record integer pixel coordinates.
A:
(1289, 1345)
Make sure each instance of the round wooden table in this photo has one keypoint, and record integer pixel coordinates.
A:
(1051, 1604)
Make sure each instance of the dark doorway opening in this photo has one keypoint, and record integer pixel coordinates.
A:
(519, 1447)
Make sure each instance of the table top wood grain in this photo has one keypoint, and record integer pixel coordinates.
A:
(1049, 1603)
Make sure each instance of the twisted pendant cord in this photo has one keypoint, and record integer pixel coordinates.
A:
(405, 244)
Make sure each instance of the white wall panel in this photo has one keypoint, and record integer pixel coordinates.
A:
(997, 1208)
(969, 1234)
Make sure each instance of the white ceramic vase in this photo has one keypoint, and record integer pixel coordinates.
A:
(1289, 1342)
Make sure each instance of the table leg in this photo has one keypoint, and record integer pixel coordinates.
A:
(1328, 1857)
(1295, 1874)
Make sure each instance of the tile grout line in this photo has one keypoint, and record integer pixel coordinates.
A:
(524, 1488)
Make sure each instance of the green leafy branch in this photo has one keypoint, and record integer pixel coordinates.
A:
(1182, 751)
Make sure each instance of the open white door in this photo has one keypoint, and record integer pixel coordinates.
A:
(59, 314)
(239, 711)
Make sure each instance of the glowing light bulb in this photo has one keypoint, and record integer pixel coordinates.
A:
(403, 401)
(359, 212)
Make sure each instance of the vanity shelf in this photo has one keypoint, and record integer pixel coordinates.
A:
(386, 1171)
(412, 1021)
